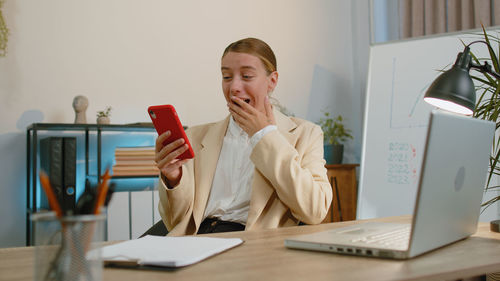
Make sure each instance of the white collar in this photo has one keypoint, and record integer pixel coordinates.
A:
(235, 130)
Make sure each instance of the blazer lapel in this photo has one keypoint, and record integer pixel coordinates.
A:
(261, 188)
(206, 162)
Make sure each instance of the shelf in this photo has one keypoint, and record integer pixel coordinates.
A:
(342, 178)
(132, 177)
(108, 127)
(125, 177)
(86, 130)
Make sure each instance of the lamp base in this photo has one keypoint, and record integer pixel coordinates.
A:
(495, 226)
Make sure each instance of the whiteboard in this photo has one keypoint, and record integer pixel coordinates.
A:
(395, 120)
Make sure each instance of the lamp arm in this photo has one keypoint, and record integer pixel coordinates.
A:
(485, 68)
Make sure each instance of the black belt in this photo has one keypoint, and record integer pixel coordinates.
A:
(213, 225)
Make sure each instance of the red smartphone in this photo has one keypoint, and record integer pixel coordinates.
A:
(165, 118)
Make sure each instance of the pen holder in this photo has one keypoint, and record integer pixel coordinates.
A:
(68, 248)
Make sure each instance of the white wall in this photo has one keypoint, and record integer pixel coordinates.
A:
(132, 54)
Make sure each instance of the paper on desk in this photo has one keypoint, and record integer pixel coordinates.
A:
(167, 251)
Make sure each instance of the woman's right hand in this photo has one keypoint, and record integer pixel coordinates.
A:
(165, 157)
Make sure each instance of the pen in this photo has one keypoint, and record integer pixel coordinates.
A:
(111, 190)
(102, 190)
(53, 202)
(86, 202)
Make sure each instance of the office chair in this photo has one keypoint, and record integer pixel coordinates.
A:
(158, 229)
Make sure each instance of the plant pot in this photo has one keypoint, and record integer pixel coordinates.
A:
(103, 120)
(333, 153)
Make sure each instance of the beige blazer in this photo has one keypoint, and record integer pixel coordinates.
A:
(289, 185)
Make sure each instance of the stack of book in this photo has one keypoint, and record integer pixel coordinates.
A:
(135, 161)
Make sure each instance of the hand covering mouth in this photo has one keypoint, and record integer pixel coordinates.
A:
(245, 100)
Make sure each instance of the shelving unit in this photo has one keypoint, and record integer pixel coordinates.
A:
(342, 178)
(32, 134)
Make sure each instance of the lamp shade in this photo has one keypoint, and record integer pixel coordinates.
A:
(454, 89)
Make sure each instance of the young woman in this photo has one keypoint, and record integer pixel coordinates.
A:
(255, 169)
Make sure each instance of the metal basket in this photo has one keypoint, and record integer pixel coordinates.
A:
(68, 248)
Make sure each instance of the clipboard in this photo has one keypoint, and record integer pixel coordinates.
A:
(165, 252)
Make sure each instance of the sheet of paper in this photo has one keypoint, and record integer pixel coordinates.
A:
(168, 251)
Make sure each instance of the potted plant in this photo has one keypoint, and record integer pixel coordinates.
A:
(488, 106)
(103, 115)
(335, 134)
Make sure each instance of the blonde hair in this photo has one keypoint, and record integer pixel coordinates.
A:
(255, 47)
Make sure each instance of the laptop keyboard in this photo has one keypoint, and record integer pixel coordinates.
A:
(397, 238)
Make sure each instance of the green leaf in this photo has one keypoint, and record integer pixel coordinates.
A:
(494, 58)
(488, 106)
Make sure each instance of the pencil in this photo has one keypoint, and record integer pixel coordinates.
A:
(47, 187)
(102, 190)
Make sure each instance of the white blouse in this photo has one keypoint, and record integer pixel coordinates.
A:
(232, 185)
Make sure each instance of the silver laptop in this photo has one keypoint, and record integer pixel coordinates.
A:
(447, 207)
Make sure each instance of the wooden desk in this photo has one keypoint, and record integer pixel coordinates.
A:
(345, 176)
(263, 256)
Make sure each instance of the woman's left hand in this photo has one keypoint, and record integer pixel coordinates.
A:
(249, 118)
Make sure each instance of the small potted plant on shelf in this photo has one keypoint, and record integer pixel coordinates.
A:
(335, 134)
(103, 115)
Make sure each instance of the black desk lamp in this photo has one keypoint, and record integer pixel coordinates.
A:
(454, 90)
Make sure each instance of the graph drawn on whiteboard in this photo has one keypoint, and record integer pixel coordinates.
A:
(407, 108)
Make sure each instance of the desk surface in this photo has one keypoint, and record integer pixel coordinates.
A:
(263, 255)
